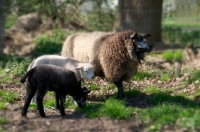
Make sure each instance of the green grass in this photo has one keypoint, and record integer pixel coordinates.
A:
(2, 105)
(93, 86)
(181, 22)
(168, 55)
(112, 109)
(178, 55)
(12, 68)
(194, 77)
(3, 120)
(165, 109)
(142, 75)
(49, 43)
(172, 56)
(7, 96)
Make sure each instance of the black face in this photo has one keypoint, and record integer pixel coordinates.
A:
(141, 45)
(81, 100)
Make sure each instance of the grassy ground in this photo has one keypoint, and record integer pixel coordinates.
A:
(155, 96)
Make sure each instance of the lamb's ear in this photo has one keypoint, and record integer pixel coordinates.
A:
(85, 90)
(133, 35)
(78, 67)
(91, 61)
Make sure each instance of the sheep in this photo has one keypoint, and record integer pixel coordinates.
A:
(45, 78)
(116, 56)
(81, 70)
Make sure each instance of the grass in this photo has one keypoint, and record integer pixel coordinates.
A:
(160, 107)
(12, 68)
(194, 77)
(142, 75)
(168, 55)
(112, 109)
(7, 96)
(172, 56)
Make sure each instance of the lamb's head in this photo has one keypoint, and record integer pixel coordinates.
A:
(140, 45)
(82, 98)
(86, 70)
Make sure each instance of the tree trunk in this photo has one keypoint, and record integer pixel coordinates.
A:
(142, 16)
(2, 19)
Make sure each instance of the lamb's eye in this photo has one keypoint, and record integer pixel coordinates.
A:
(86, 71)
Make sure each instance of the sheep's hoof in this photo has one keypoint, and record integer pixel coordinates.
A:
(63, 115)
(43, 115)
(120, 97)
(57, 108)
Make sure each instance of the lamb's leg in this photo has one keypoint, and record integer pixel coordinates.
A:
(119, 86)
(62, 103)
(39, 100)
(29, 95)
(57, 106)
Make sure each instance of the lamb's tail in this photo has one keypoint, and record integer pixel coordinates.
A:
(23, 79)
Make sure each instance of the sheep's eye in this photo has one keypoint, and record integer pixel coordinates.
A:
(86, 71)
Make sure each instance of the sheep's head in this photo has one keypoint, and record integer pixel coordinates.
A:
(140, 44)
(86, 70)
(82, 98)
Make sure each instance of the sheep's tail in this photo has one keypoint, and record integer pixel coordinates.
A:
(23, 79)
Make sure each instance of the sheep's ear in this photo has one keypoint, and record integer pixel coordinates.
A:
(146, 35)
(91, 61)
(78, 67)
(133, 35)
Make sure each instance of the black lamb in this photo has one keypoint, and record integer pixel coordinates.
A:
(45, 78)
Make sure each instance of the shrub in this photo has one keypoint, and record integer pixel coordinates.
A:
(49, 43)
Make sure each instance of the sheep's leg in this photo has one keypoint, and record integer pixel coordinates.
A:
(29, 95)
(119, 86)
(62, 103)
(39, 100)
(57, 106)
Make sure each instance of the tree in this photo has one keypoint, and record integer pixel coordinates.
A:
(141, 16)
(2, 19)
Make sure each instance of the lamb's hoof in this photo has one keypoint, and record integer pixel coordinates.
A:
(23, 113)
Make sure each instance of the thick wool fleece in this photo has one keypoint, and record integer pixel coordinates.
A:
(109, 52)
(115, 59)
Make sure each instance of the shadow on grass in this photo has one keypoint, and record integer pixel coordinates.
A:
(139, 99)
(136, 98)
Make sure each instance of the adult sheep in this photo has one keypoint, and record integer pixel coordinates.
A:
(45, 78)
(116, 56)
(82, 70)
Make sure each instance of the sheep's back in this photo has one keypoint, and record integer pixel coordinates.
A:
(84, 47)
(55, 75)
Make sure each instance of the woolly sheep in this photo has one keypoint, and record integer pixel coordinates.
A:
(81, 70)
(53, 78)
(116, 56)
